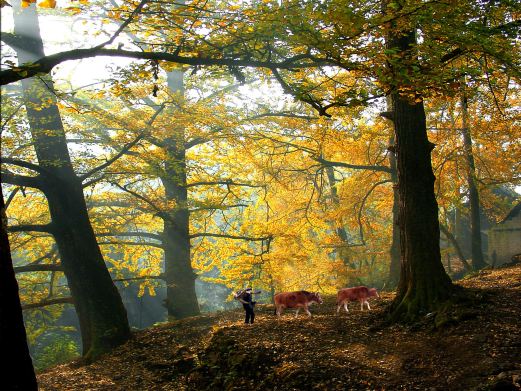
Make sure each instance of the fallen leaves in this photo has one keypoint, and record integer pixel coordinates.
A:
(326, 352)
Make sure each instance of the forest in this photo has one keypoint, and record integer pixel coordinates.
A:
(159, 157)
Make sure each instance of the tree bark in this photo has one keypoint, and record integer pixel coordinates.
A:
(478, 261)
(394, 251)
(423, 284)
(102, 316)
(343, 251)
(18, 367)
(181, 299)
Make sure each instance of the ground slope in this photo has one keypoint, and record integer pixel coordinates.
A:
(478, 347)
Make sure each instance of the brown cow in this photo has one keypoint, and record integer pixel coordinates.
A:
(360, 293)
(298, 300)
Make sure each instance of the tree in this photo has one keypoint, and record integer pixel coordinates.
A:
(349, 37)
(102, 316)
(423, 281)
(18, 366)
(474, 205)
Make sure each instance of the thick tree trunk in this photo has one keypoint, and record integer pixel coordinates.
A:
(424, 284)
(394, 252)
(102, 316)
(478, 261)
(181, 299)
(18, 367)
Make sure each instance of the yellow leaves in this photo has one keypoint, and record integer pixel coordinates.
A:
(114, 14)
(73, 10)
(47, 4)
(27, 3)
(171, 66)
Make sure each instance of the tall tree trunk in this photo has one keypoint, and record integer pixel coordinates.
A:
(18, 367)
(181, 299)
(343, 251)
(423, 281)
(394, 267)
(102, 316)
(451, 238)
(475, 224)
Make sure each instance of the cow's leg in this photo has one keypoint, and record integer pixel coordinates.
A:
(361, 305)
(345, 306)
(307, 311)
(296, 313)
(338, 308)
(279, 311)
(368, 306)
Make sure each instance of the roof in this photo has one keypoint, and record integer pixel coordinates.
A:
(516, 211)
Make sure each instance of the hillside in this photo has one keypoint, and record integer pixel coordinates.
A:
(477, 348)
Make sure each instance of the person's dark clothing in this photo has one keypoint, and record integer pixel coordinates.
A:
(248, 307)
(250, 315)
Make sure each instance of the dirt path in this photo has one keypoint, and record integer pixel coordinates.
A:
(479, 349)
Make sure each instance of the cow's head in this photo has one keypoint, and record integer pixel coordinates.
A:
(373, 292)
(315, 297)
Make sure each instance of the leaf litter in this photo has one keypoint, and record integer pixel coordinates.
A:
(477, 347)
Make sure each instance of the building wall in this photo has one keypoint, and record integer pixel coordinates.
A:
(504, 240)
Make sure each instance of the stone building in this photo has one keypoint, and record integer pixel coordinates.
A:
(504, 240)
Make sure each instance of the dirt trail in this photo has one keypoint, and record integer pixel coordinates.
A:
(479, 348)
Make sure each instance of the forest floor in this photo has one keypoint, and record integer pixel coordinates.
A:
(478, 347)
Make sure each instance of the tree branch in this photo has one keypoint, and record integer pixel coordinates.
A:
(21, 180)
(129, 243)
(136, 11)
(11, 39)
(47, 228)
(225, 182)
(24, 164)
(220, 207)
(330, 163)
(149, 235)
(44, 303)
(45, 64)
(159, 277)
(123, 150)
(11, 197)
(38, 268)
(215, 235)
(450, 237)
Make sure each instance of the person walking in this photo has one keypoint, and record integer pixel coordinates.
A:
(246, 298)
